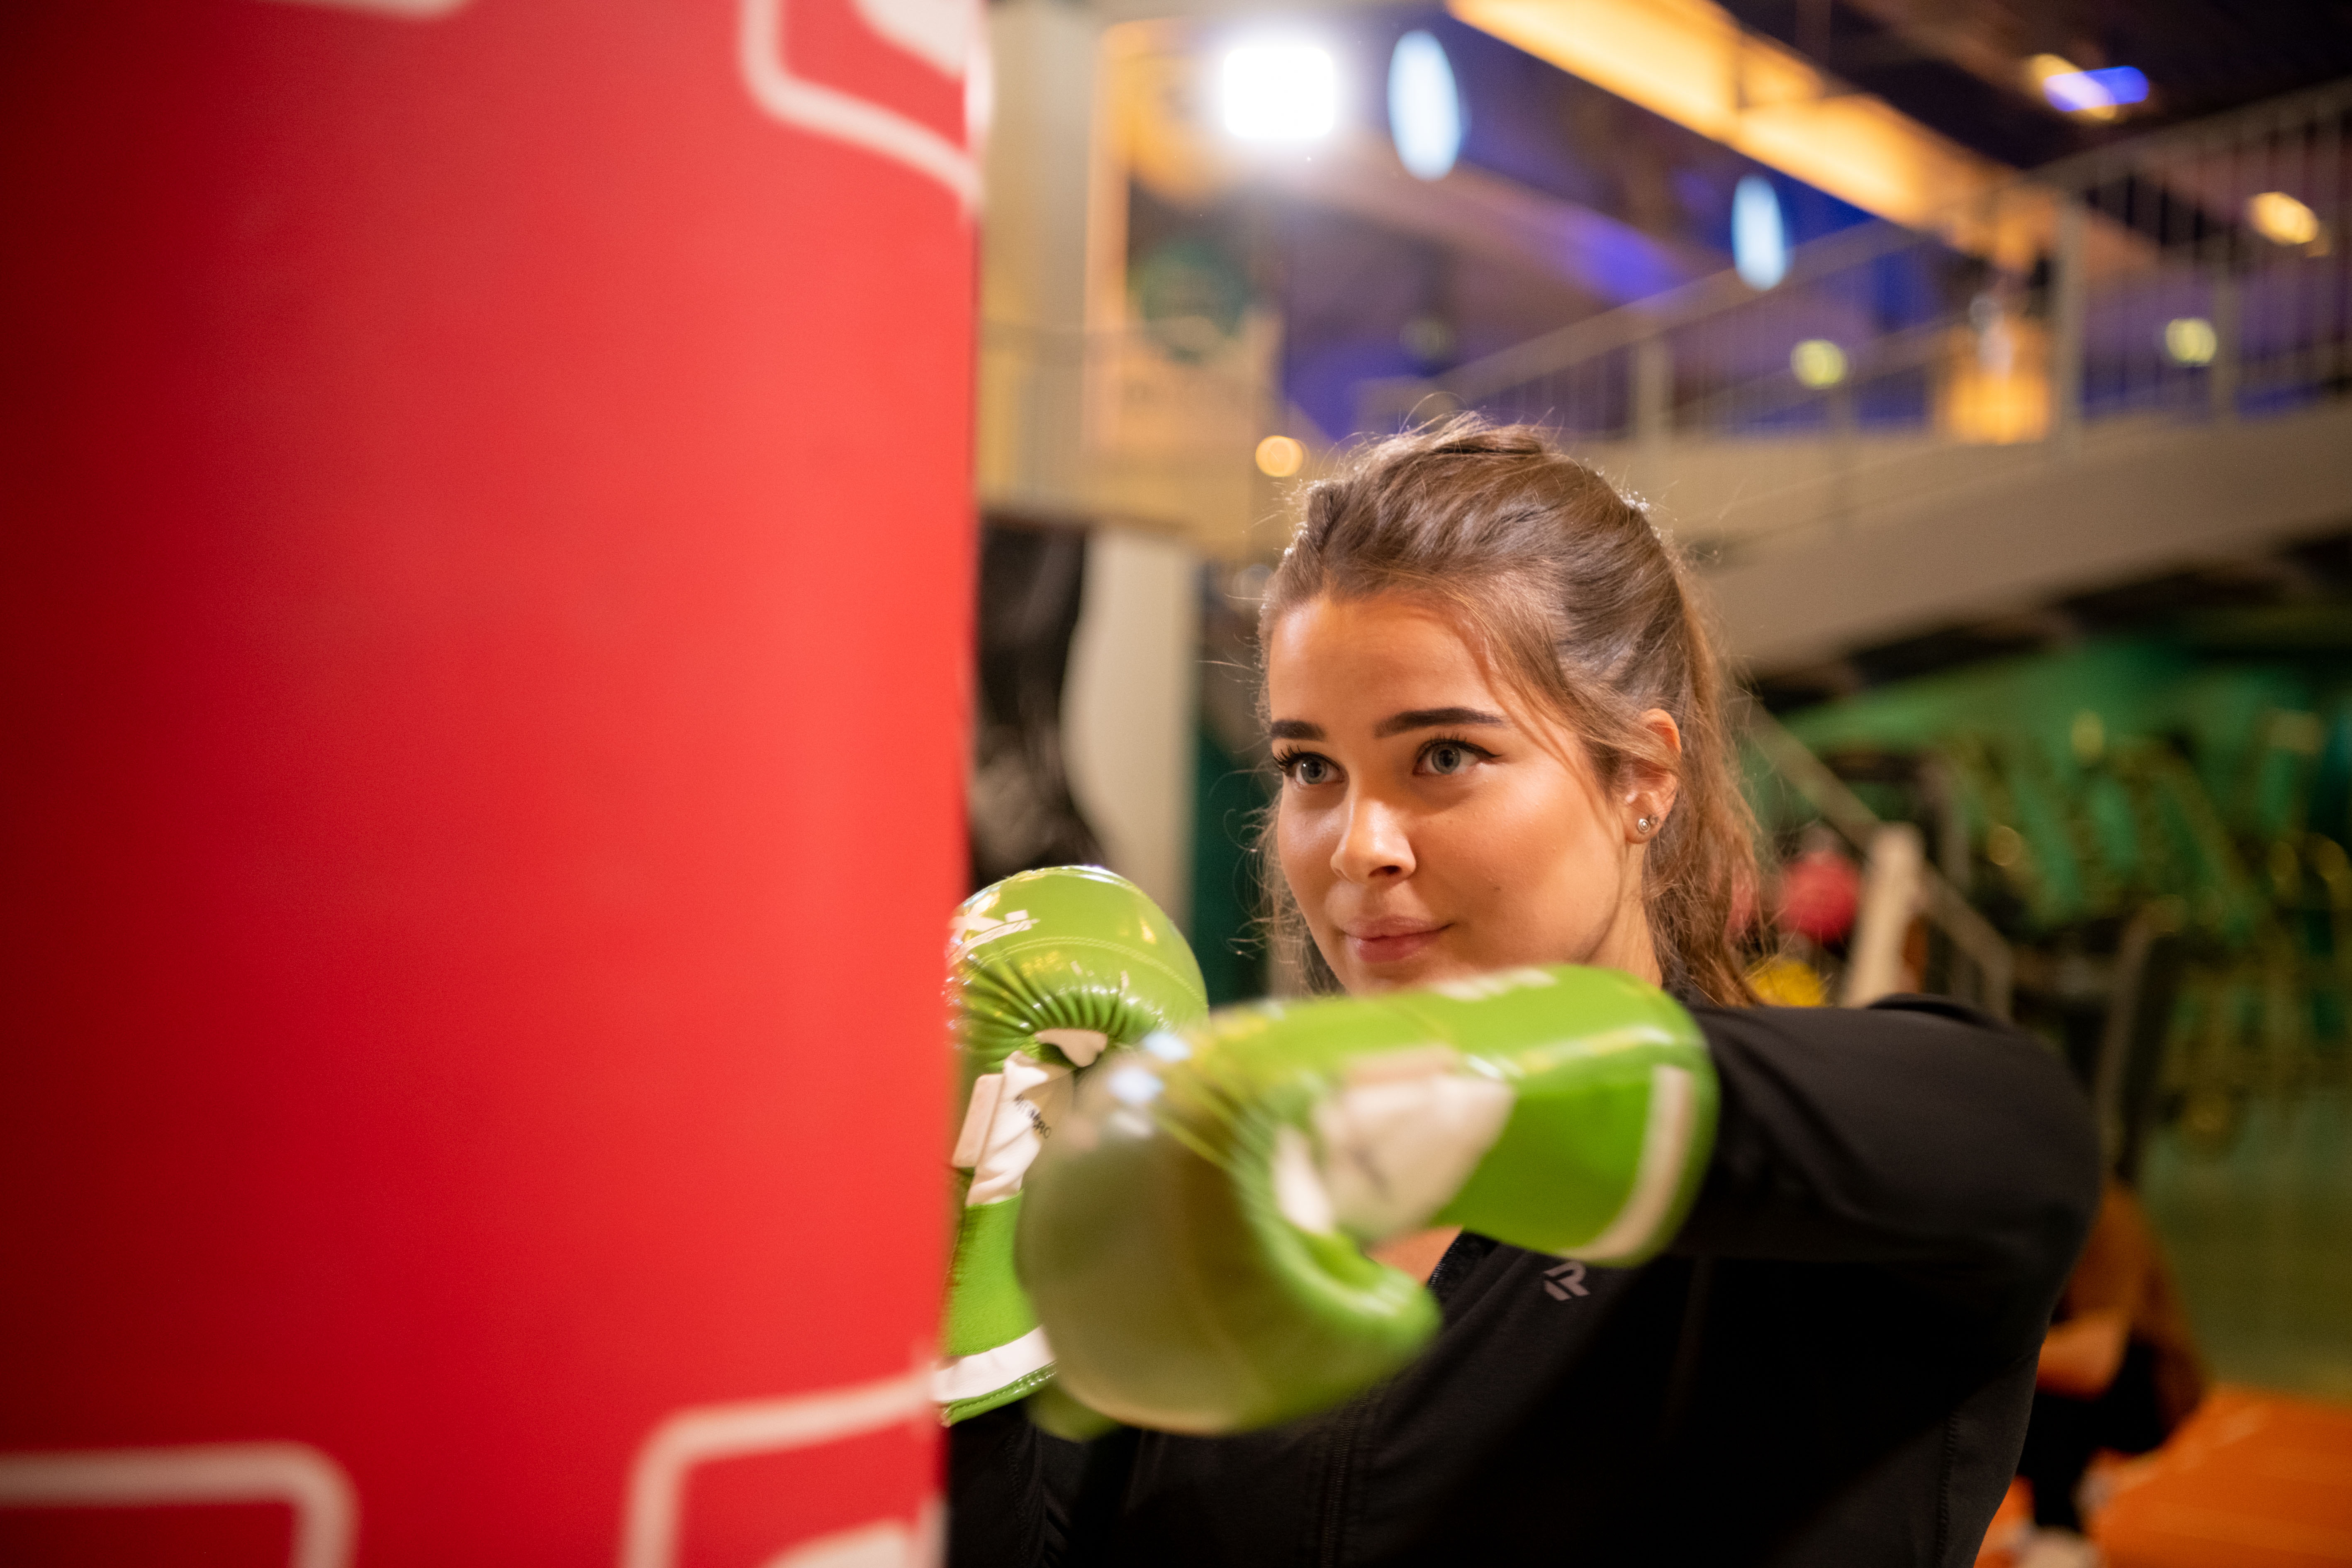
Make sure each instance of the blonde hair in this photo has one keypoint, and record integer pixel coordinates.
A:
(1586, 607)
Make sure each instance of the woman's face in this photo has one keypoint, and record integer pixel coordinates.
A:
(1431, 824)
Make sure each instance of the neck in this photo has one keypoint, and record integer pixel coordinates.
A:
(1626, 944)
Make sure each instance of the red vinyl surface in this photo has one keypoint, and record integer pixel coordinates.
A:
(484, 614)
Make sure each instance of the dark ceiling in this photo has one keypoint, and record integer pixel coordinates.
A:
(1956, 65)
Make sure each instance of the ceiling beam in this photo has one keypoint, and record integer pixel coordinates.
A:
(1988, 42)
(1693, 63)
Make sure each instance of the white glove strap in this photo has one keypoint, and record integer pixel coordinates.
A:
(1004, 1126)
(985, 1371)
(1403, 1135)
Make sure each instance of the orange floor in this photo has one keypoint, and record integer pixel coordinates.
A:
(2251, 1480)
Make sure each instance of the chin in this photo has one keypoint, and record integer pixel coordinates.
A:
(1412, 975)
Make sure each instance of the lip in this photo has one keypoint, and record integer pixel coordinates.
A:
(1392, 940)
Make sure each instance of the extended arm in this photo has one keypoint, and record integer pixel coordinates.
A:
(1193, 1231)
(1193, 1240)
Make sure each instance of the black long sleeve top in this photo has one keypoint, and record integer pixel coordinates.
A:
(1833, 1365)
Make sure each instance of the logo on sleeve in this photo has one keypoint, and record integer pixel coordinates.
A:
(1564, 1280)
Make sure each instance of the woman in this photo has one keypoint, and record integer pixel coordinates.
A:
(1500, 733)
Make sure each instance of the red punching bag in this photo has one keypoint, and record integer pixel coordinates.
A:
(484, 611)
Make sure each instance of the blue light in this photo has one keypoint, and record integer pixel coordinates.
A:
(2079, 92)
(1759, 240)
(1424, 106)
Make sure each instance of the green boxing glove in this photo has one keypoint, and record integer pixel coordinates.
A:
(1047, 970)
(1192, 1231)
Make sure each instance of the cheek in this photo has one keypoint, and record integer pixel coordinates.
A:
(1540, 861)
(1306, 860)
(1536, 828)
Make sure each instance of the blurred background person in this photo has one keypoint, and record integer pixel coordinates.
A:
(2119, 1371)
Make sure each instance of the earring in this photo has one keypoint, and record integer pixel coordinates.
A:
(1642, 827)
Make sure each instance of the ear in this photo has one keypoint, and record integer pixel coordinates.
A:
(1649, 788)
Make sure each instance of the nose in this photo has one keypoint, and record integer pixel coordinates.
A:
(1374, 846)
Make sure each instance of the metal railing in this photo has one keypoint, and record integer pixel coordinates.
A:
(2202, 272)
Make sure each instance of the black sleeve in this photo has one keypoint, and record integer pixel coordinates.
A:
(1021, 1497)
(1916, 1135)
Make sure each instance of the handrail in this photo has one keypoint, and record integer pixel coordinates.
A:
(2047, 200)
(1682, 305)
(2304, 104)
(1946, 906)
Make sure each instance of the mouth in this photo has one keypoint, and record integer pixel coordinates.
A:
(1377, 943)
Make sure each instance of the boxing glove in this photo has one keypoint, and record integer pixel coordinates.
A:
(1192, 1231)
(1046, 971)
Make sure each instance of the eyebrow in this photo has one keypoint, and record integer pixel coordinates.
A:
(1412, 718)
(1433, 718)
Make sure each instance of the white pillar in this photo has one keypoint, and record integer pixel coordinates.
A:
(1129, 713)
(1040, 146)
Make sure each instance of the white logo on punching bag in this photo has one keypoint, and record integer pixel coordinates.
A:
(944, 34)
(937, 32)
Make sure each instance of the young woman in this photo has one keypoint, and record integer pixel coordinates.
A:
(1500, 728)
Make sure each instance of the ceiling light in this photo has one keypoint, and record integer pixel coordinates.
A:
(2280, 220)
(1429, 339)
(1760, 240)
(2042, 68)
(1424, 106)
(1279, 457)
(2191, 341)
(1279, 92)
(2094, 95)
(1817, 363)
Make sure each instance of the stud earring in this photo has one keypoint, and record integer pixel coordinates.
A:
(1643, 825)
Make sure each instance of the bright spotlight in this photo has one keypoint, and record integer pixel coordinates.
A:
(1279, 92)
(1817, 363)
(2191, 341)
(2280, 220)
(1760, 240)
(1424, 106)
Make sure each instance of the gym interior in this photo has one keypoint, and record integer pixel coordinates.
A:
(551, 546)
